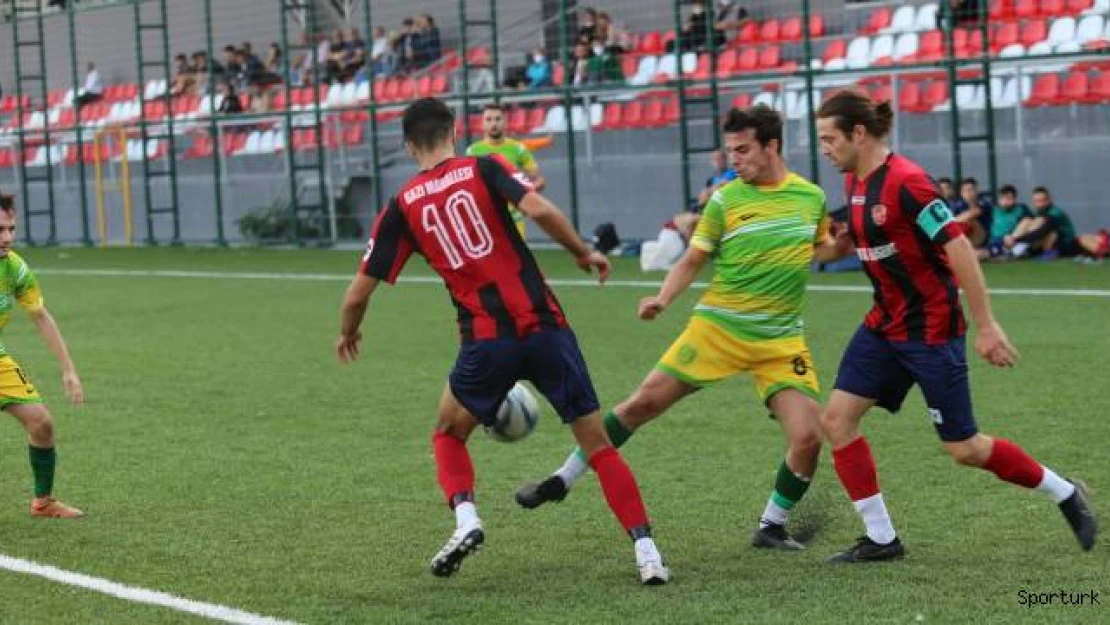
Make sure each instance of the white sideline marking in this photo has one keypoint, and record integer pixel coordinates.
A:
(339, 277)
(137, 595)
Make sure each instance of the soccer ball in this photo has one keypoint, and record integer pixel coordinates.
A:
(517, 416)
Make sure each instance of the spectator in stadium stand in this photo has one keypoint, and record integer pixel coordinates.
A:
(615, 39)
(405, 48)
(973, 212)
(1049, 231)
(603, 65)
(274, 63)
(426, 45)
(184, 81)
(1008, 213)
(694, 35)
(230, 104)
(587, 24)
(356, 53)
(947, 190)
(232, 68)
(381, 53)
(323, 54)
(337, 56)
(580, 63)
(92, 90)
(730, 16)
(539, 73)
(202, 67)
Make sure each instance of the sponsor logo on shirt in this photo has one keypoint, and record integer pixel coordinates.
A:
(878, 214)
(872, 254)
(859, 200)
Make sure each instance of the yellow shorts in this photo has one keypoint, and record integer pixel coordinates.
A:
(705, 353)
(521, 225)
(15, 388)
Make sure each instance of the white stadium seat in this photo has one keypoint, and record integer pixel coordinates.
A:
(859, 53)
(667, 66)
(1062, 30)
(903, 20)
(905, 46)
(926, 18)
(1013, 50)
(881, 46)
(645, 72)
(1090, 29)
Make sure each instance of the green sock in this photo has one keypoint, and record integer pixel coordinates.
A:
(42, 465)
(618, 433)
(789, 488)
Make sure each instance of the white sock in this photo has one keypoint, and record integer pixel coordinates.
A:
(646, 551)
(875, 517)
(1020, 249)
(466, 513)
(574, 468)
(1057, 487)
(773, 514)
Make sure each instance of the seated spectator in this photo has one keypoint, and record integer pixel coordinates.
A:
(426, 46)
(964, 12)
(1007, 215)
(729, 16)
(587, 24)
(203, 68)
(230, 104)
(274, 63)
(539, 72)
(337, 56)
(184, 81)
(92, 90)
(406, 54)
(946, 189)
(382, 58)
(435, 42)
(615, 40)
(233, 70)
(973, 212)
(356, 54)
(579, 64)
(1048, 231)
(695, 33)
(603, 65)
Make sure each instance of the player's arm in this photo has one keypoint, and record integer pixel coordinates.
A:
(933, 216)
(832, 241)
(50, 332)
(678, 279)
(552, 221)
(532, 168)
(387, 251)
(515, 189)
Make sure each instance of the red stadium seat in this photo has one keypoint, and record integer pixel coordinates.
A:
(769, 31)
(1006, 34)
(654, 113)
(652, 43)
(536, 118)
(742, 101)
(439, 84)
(935, 95)
(634, 115)
(154, 110)
(518, 121)
(1076, 7)
(1053, 8)
(726, 63)
(558, 73)
(408, 89)
(671, 112)
(479, 57)
(1099, 92)
(770, 58)
(749, 60)
(629, 65)
(201, 147)
(352, 136)
(67, 119)
(930, 46)
(1046, 91)
(880, 19)
(909, 97)
(791, 29)
(1034, 31)
(1001, 9)
(1075, 88)
(835, 50)
(816, 26)
(612, 118)
(5, 158)
(748, 33)
(1025, 8)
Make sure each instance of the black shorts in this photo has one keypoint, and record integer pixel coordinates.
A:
(485, 371)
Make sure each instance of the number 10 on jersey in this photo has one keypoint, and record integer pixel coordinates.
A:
(461, 217)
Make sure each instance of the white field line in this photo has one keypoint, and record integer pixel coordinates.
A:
(639, 284)
(137, 595)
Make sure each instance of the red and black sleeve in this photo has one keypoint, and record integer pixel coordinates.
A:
(390, 244)
(506, 180)
(920, 201)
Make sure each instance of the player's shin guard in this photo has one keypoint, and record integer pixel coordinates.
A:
(43, 461)
(454, 470)
(620, 489)
(855, 467)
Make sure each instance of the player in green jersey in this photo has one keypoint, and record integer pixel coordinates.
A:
(18, 396)
(495, 142)
(762, 232)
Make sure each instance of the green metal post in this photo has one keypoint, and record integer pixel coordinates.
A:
(372, 107)
(948, 19)
(214, 130)
(714, 85)
(568, 103)
(290, 152)
(78, 130)
(321, 132)
(494, 45)
(172, 147)
(811, 125)
(683, 135)
(53, 238)
(465, 52)
(992, 157)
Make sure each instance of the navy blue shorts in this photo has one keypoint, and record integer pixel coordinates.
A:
(551, 360)
(883, 370)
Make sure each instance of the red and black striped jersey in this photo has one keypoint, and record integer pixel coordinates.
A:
(456, 215)
(899, 225)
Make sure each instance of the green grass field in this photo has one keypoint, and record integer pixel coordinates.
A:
(225, 456)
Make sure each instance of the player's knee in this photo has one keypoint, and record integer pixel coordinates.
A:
(968, 453)
(806, 444)
(40, 428)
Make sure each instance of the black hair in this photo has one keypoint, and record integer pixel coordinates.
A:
(851, 108)
(427, 123)
(765, 121)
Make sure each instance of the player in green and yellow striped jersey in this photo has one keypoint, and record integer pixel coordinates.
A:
(762, 232)
(495, 142)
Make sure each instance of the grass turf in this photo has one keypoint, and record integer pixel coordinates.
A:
(224, 456)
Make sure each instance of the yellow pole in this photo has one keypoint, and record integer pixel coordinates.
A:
(125, 187)
(98, 177)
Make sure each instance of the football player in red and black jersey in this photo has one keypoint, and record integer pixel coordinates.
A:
(455, 213)
(915, 254)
